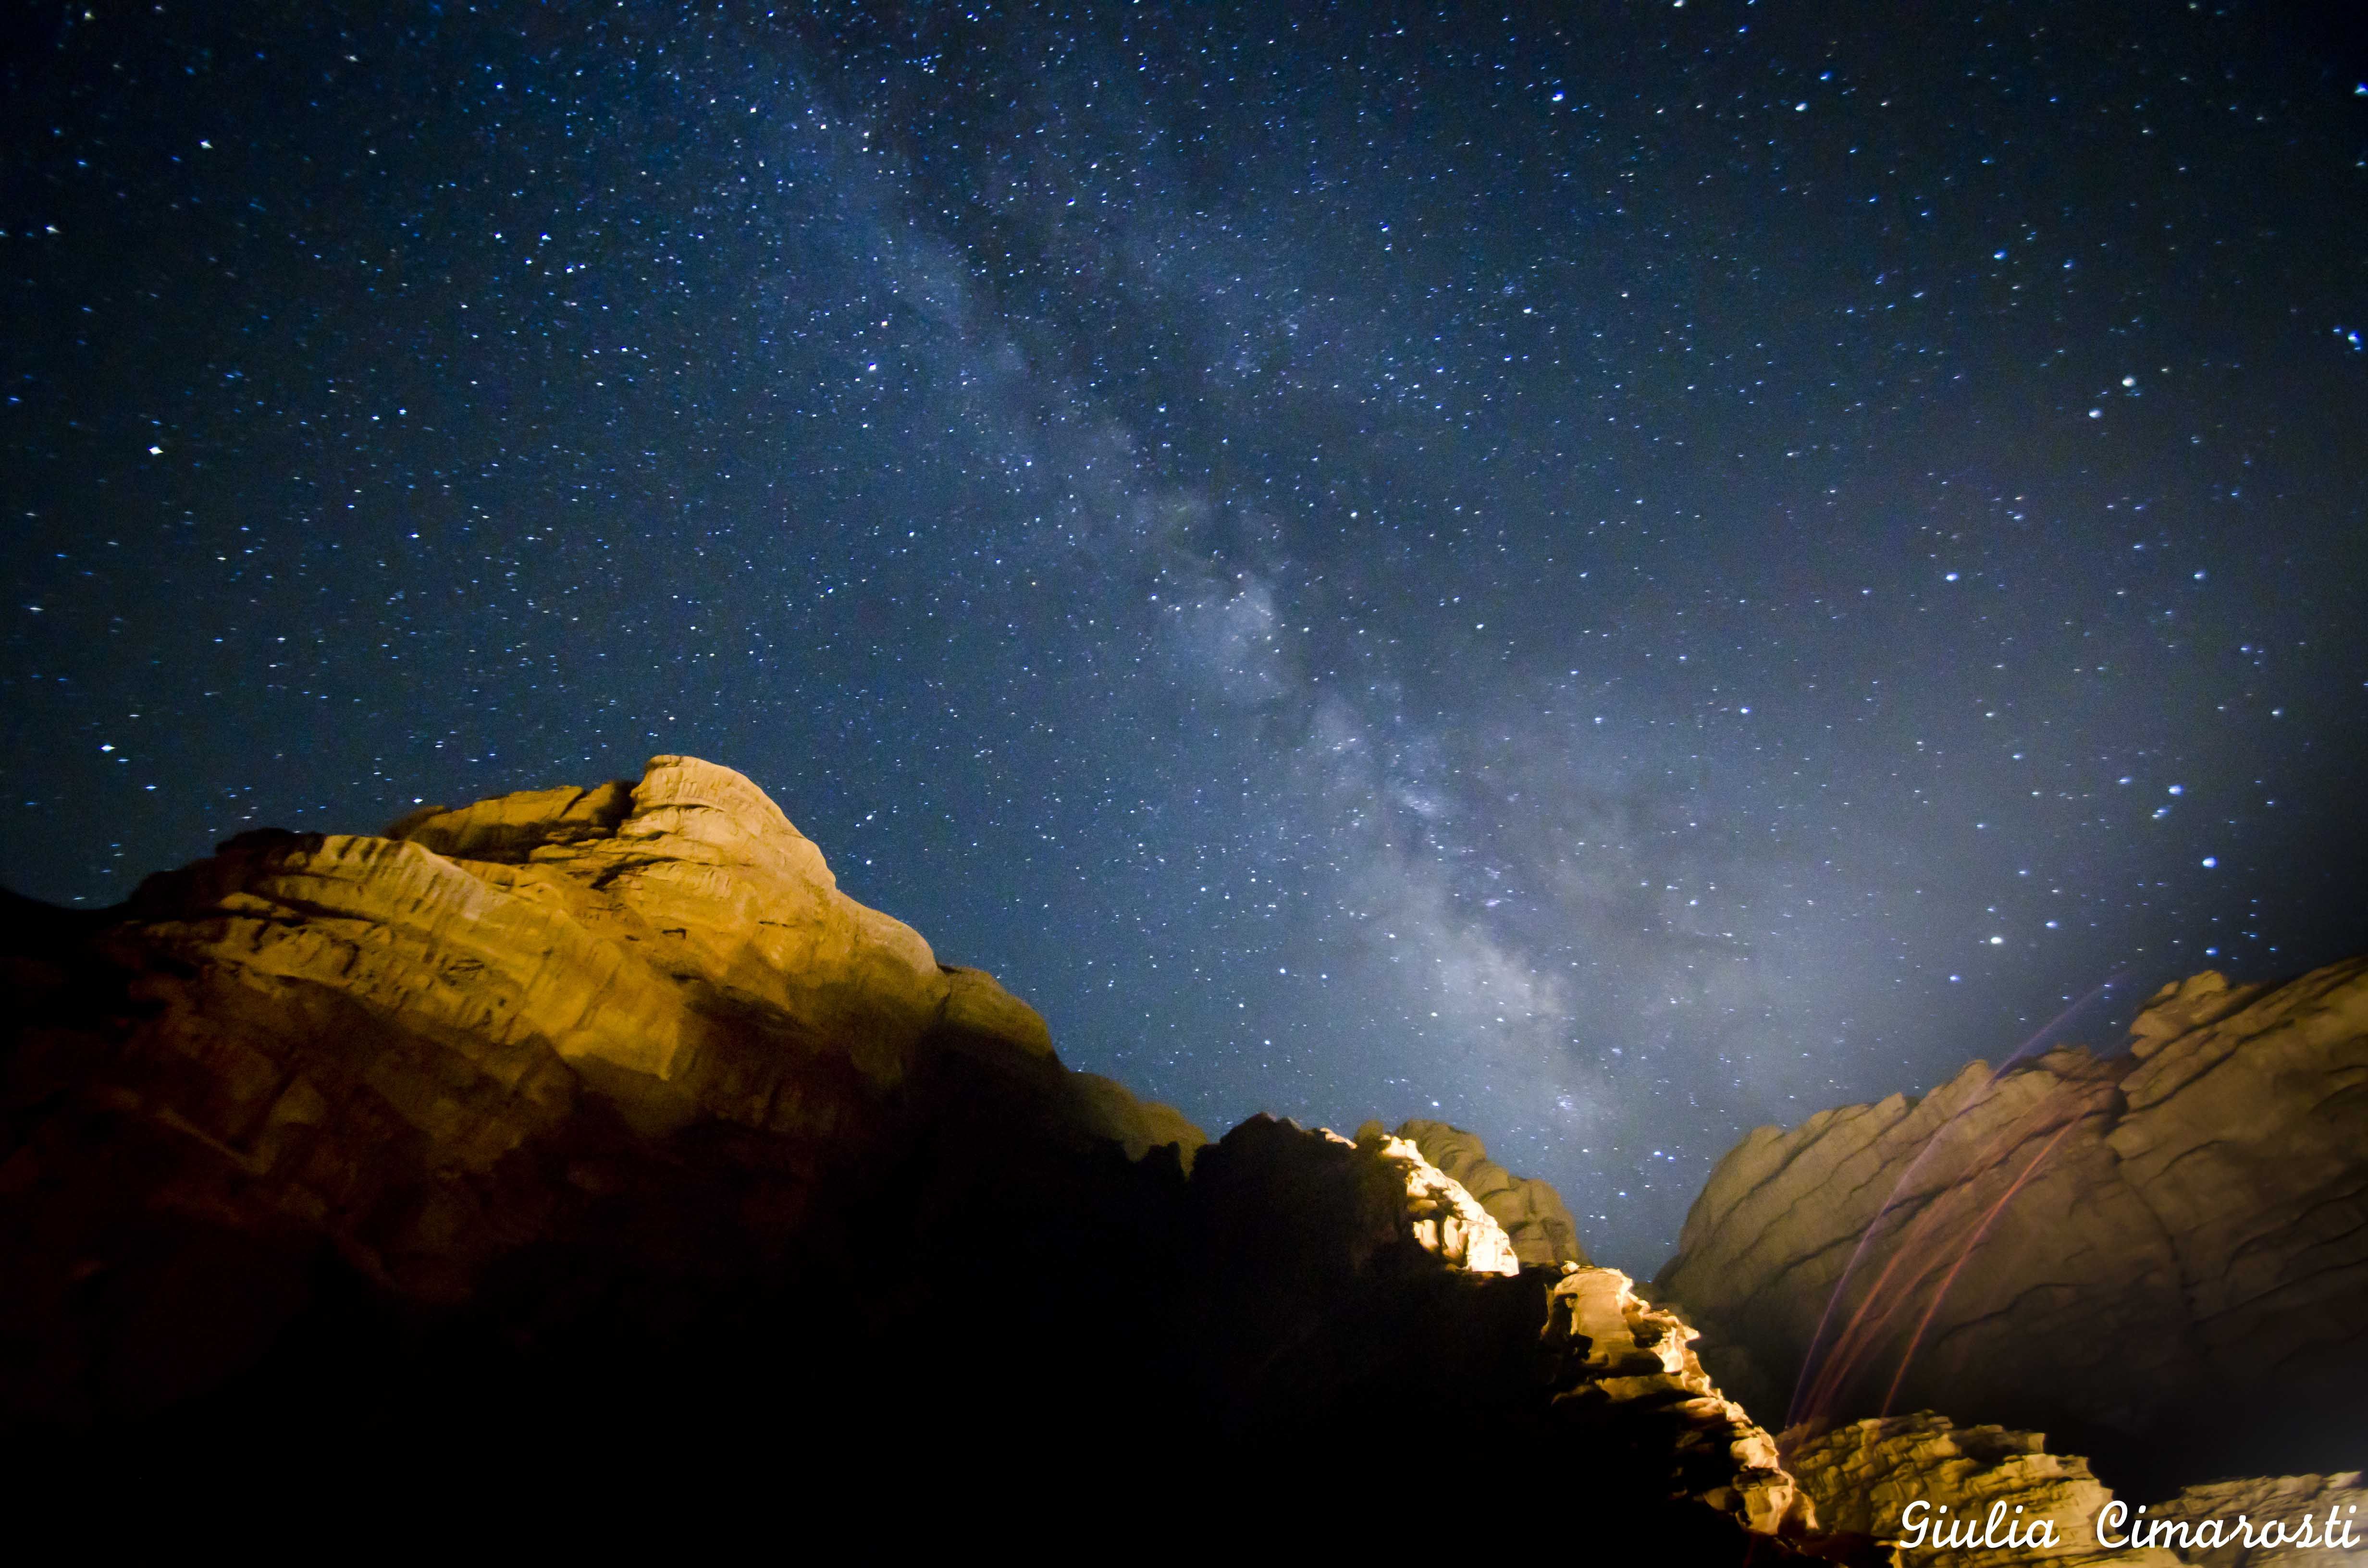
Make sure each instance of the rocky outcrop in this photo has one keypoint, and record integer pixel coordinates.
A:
(1444, 1219)
(430, 1054)
(1621, 1364)
(553, 1130)
(1530, 1210)
(2161, 1259)
(1996, 1498)
(352, 1035)
(1975, 1483)
(1564, 1359)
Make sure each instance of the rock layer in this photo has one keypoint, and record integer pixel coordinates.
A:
(2160, 1257)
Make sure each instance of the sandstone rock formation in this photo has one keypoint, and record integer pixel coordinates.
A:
(1530, 1210)
(1110, 1110)
(1864, 1475)
(557, 1129)
(352, 1035)
(300, 1104)
(1444, 1218)
(1621, 1358)
(2160, 1258)
(1566, 1359)
(1975, 1483)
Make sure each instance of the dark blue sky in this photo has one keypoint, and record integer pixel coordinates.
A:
(1611, 575)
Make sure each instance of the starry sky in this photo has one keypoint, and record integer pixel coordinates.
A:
(1606, 573)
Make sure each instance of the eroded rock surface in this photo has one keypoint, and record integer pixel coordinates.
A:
(2161, 1257)
(1625, 1364)
(1530, 1210)
(1446, 1219)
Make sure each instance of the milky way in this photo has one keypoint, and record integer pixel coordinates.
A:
(1606, 574)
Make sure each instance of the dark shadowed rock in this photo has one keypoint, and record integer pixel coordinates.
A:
(590, 1127)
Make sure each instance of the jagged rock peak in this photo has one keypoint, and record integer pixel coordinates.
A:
(1618, 1371)
(2182, 1006)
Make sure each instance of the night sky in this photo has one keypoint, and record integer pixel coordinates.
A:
(1609, 574)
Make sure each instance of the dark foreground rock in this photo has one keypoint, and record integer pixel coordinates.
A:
(570, 1134)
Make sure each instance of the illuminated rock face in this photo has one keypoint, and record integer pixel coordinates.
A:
(1530, 1210)
(696, 876)
(1445, 1220)
(1624, 1363)
(2160, 1258)
(1317, 1229)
